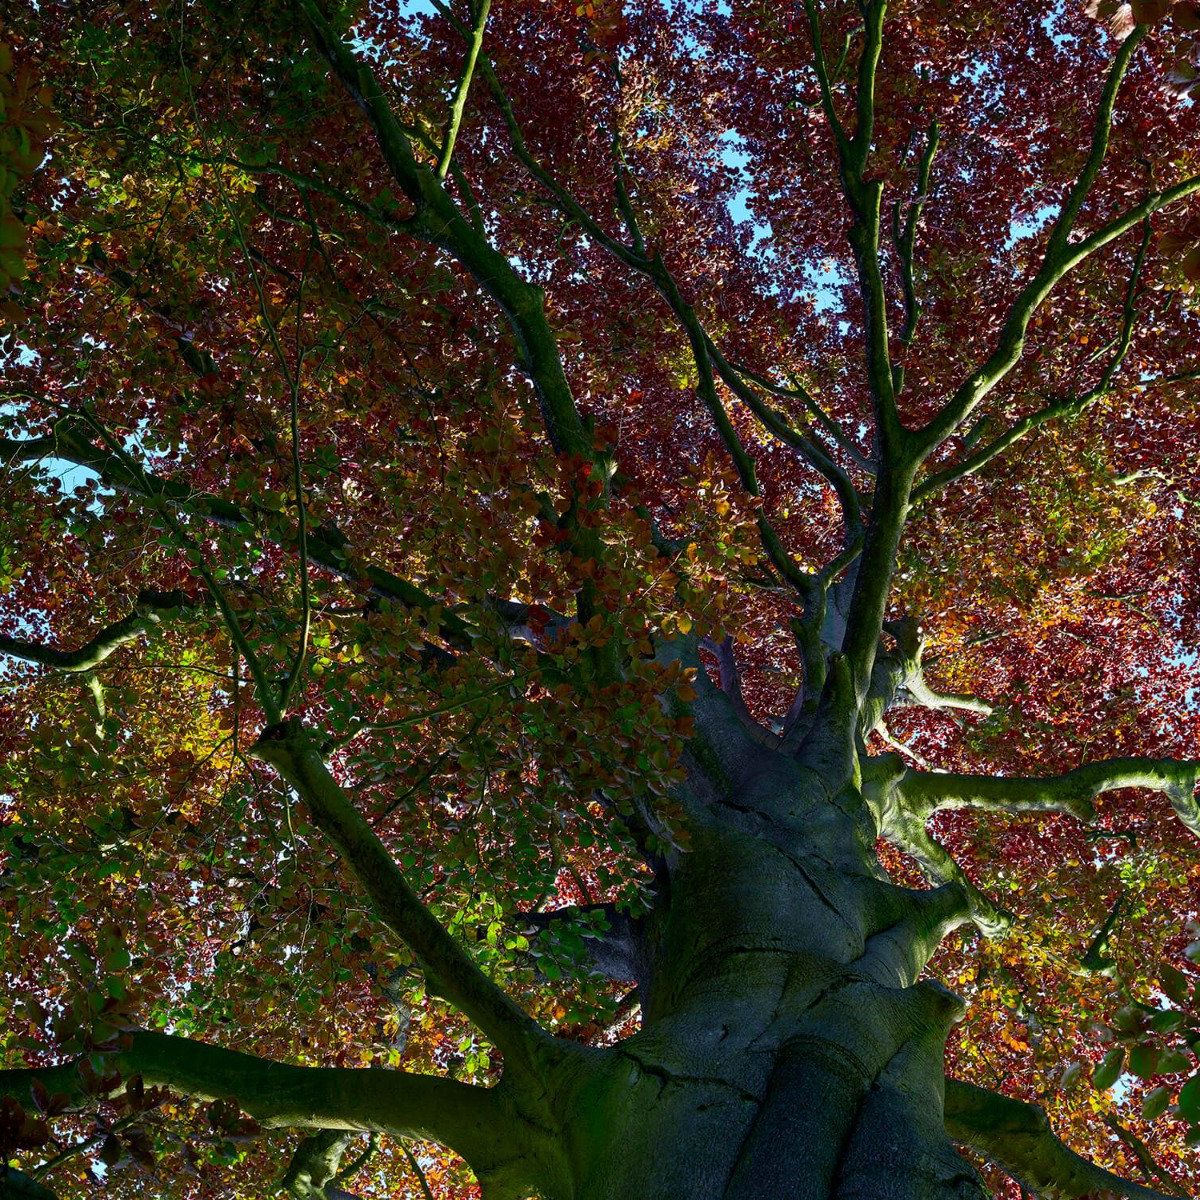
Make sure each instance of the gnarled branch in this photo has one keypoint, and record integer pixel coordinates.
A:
(292, 751)
(926, 792)
(1018, 1138)
(468, 1119)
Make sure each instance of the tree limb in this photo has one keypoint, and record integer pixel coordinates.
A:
(1067, 407)
(1017, 1137)
(1060, 257)
(464, 86)
(292, 751)
(924, 792)
(150, 610)
(327, 547)
(468, 1119)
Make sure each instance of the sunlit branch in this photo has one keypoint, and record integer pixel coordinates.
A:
(940, 866)
(464, 86)
(1068, 407)
(905, 236)
(924, 793)
(292, 750)
(150, 610)
(1060, 257)
(1018, 1138)
(316, 1166)
(461, 1116)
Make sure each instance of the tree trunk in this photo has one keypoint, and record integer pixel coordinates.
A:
(787, 1048)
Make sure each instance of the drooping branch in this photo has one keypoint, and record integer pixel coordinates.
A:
(471, 1120)
(292, 750)
(1018, 1138)
(327, 546)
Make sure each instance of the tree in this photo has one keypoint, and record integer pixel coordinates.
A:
(602, 588)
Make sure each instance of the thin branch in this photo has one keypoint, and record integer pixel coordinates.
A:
(416, 1170)
(1062, 408)
(906, 237)
(327, 546)
(464, 86)
(264, 691)
(1060, 257)
(797, 392)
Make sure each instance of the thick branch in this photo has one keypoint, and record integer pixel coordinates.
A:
(468, 1119)
(927, 792)
(151, 610)
(1017, 1137)
(438, 221)
(291, 749)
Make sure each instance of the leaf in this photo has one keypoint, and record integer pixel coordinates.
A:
(1109, 1070)
(1144, 1060)
(1150, 12)
(1172, 1062)
(112, 1151)
(1167, 1021)
(1189, 1100)
(1155, 1103)
(1175, 984)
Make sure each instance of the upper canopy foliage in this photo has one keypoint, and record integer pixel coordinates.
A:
(424, 392)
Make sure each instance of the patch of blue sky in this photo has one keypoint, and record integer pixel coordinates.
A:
(1030, 224)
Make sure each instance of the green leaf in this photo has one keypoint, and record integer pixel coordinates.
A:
(1107, 1073)
(1175, 984)
(1173, 1061)
(1155, 1103)
(1167, 1021)
(1144, 1061)
(1189, 1099)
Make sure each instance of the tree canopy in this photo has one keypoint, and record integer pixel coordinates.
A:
(448, 449)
